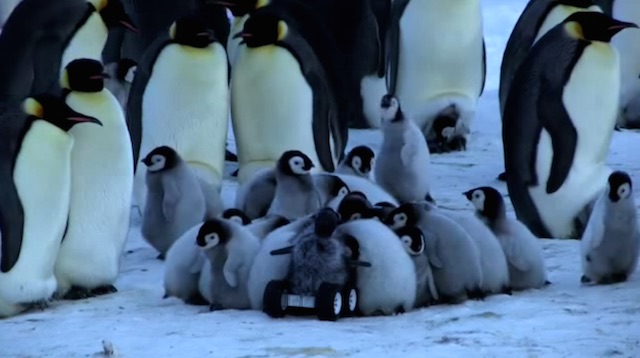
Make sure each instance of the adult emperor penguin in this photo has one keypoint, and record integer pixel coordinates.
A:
(538, 17)
(180, 98)
(611, 242)
(293, 94)
(558, 122)
(437, 63)
(36, 188)
(89, 260)
(6, 8)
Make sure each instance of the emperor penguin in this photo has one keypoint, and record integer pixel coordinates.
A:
(6, 8)
(183, 267)
(414, 242)
(522, 249)
(180, 98)
(558, 122)
(374, 192)
(89, 259)
(611, 241)
(175, 202)
(294, 94)
(437, 64)
(231, 249)
(359, 161)
(36, 189)
(403, 164)
(121, 74)
(537, 18)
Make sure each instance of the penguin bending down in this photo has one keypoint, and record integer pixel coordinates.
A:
(36, 184)
(521, 248)
(121, 74)
(293, 94)
(176, 199)
(403, 165)
(101, 174)
(374, 192)
(611, 241)
(183, 266)
(558, 121)
(437, 66)
(359, 162)
(180, 98)
(231, 249)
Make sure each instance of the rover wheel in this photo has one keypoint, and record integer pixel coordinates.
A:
(350, 301)
(329, 302)
(275, 299)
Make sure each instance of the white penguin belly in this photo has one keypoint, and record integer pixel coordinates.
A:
(628, 44)
(591, 100)
(232, 44)
(557, 15)
(102, 177)
(88, 41)
(272, 108)
(186, 106)
(43, 182)
(440, 56)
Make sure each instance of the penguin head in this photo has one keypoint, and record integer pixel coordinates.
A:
(402, 216)
(236, 215)
(620, 186)
(113, 14)
(487, 201)
(412, 239)
(263, 28)
(212, 233)
(594, 26)
(294, 162)
(390, 108)
(361, 159)
(83, 75)
(355, 206)
(326, 222)
(239, 8)
(160, 159)
(126, 70)
(192, 31)
(54, 109)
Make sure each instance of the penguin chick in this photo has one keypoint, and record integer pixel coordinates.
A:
(175, 202)
(237, 216)
(611, 242)
(359, 162)
(383, 209)
(231, 249)
(182, 268)
(318, 258)
(447, 245)
(356, 206)
(521, 248)
(332, 190)
(403, 163)
(296, 193)
(414, 243)
(449, 132)
(255, 195)
(121, 75)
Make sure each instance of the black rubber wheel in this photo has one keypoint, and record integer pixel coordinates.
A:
(274, 299)
(349, 301)
(329, 302)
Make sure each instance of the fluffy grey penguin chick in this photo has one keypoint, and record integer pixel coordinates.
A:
(403, 164)
(319, 257)
(121, 75)
(182, 268)
(356, 206)
(236, 215)
(254, 196)
(231, 249)
(360, 162)
(414, 243)
(175, 201)
(611, 242)
(296, 193)
(522, 249)
(454, 257)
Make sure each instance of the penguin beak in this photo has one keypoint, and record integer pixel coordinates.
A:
(101, 76)
(220, 2)
(126, 21)
(620, 25)
(206, 35)
(467, 194)
(147, 162)
(81, 118)
(243, 35)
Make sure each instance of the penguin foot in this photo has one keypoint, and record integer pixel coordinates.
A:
(502, 176)
(197, 300)
(39, 305)
(78, 293)
(400, 310)
(447, 300)
(476, 295)
(104, 290)
(506, 290)
(585, 279)
(230, 157)
(613, 278)
(160, 257)
(215, 307)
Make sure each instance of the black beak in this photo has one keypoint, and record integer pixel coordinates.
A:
(621, 25)
(147, 161)
(101, 76)
(74, 116)
(467, 194)
(222, 2)
(208, 35)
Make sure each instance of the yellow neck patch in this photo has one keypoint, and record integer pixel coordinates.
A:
(32, 107)
(172, 31)
(283, 30)
(99, 4)
(574, 30)
(64, 80)
(262, 3)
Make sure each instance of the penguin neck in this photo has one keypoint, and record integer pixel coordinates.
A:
(621, 214)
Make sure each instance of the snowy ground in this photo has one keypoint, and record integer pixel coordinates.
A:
(563, 320)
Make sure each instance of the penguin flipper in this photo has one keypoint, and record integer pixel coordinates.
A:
(231, 267)
(381, 11)
(11, 221)
(563, 134)
(393, 44)
(484, 67)
(171, 197)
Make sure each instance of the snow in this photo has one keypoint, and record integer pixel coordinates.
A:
(562, 320)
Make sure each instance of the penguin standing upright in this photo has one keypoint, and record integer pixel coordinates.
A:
(35, 176)
(437, 65)
(558, 122)
(277, 76)
(180, 98)
(538, 17)
(102, 176)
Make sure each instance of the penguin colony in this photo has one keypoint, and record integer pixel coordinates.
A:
(118, 107)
